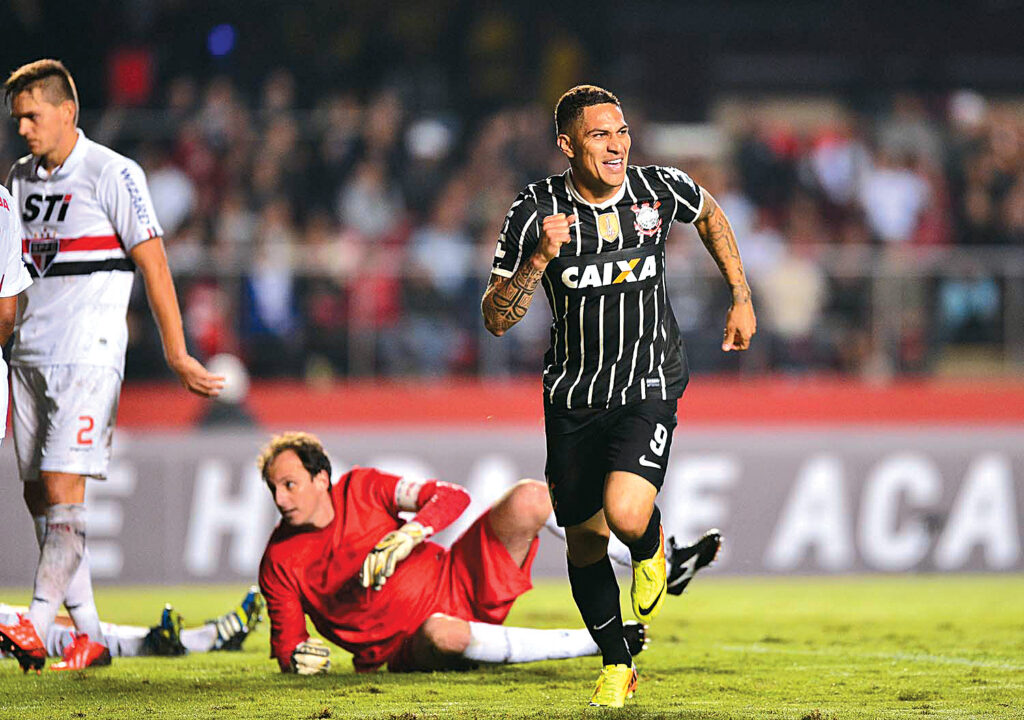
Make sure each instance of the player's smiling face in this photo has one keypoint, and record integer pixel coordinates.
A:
(302, 499)
(598, 150)
(46, 127)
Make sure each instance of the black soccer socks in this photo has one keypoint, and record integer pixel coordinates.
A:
(596, 593)
(647, 545)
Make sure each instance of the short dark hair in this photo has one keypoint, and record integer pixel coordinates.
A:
(306, 445)
(55, 79)
(569, 108)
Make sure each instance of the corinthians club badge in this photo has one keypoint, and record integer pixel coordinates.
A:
(648, 221)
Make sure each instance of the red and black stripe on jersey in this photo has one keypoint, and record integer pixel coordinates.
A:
(62, 262)
(614, 339)
(83, 268)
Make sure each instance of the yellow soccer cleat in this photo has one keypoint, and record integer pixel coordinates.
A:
(616, 685)
(650, 578)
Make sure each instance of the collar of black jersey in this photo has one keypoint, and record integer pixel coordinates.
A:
(613, 200)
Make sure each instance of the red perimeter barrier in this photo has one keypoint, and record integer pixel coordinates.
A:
(708, 401)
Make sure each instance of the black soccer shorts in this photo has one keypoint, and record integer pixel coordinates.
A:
(584, 446)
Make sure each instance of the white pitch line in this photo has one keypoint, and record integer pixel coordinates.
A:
(909, 657)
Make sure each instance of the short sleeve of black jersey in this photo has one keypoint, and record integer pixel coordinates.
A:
(689, 199)
(518, 237)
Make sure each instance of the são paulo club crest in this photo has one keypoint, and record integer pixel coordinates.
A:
(648, 221)
(43, 250)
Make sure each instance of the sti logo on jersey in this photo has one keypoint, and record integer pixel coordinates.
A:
(34, 206)
(648, 221)
(609, 273)
(42, 251)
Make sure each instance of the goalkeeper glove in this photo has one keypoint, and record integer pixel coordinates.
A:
(311, 657)
(394, 547)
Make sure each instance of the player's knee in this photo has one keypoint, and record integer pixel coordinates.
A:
(530, 502)
(628, 521)
(62, 488)
(446, 635)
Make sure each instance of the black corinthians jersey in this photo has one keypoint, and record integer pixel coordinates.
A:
(614, 339)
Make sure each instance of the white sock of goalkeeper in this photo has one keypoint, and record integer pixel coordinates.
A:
(501, 644)
(618, 553)
(59, 558)
(78, 598)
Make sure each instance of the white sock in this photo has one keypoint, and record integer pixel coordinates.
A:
(500, 644)
(78, 598)
(124, 640)
(200, 639)
(81, 604)
(59, 558)
(618, 553)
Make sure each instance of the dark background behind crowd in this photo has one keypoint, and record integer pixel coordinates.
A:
(332, 176)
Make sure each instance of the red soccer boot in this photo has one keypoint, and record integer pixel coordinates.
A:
(83, 653)
(22, 641)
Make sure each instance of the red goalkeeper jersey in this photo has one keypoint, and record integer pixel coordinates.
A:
(316, 573)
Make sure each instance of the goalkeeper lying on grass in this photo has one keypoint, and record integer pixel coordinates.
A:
(374, 585)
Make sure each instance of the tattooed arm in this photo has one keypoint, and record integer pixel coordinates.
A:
(506, 300)
(717, 235)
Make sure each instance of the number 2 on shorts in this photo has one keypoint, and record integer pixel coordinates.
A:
(660, 439)
(87, 426)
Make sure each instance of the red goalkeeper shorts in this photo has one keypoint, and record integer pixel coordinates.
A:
(482, 582)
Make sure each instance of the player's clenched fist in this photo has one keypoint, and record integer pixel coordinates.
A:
(393, 548)
(554, 234)
(311, 657)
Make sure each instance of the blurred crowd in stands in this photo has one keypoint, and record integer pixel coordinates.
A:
(351, 235)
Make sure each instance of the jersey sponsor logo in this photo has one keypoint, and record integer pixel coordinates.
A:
(608, 226)
(36, 205)
(648, 221)
(42, 251)
(138, 204)
(616, 272)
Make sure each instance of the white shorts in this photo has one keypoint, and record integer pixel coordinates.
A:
(63, 419)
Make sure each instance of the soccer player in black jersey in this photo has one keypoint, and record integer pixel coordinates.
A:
(594, 237)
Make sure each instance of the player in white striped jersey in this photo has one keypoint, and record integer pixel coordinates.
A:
(88, 223)
(13, 279)
(595, 236)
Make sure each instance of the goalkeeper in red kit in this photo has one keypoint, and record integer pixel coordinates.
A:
(375, 585)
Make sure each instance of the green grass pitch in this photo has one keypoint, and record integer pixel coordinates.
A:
(800, 648)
